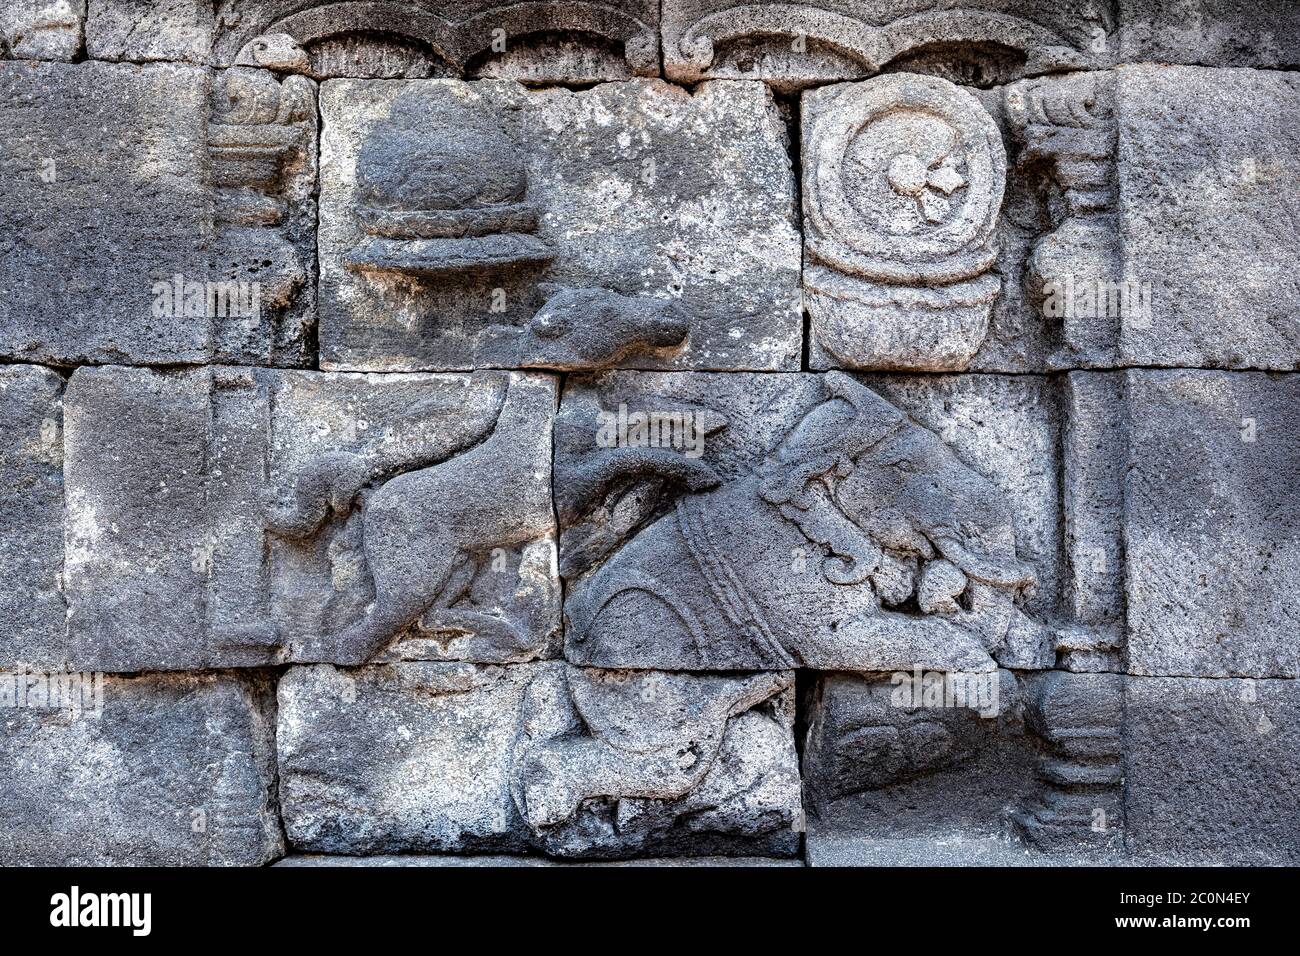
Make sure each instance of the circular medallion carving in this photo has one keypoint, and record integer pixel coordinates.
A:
(907, 181)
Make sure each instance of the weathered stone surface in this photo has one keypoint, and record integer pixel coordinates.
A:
(1210, 769)
(402, 758)
(903, 179)
(433, 258)
(1094, 456)
(134, 230)
(173, 770)
(451, 860)
(917, 754)
(1204, 162)
(1210, 32)
(633, 763)
(430, 757)
(700, 532)
(31, 518)
(559, 42)
(1210, 503)
(846, 848)
(1079, 720)
(794, 45)
(235, 517)
(42, 29)
(143, 30)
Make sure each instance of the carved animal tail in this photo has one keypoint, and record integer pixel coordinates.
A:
(329, 483)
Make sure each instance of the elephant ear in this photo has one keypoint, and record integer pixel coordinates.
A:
(826, 441)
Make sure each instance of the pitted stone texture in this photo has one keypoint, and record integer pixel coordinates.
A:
(143, 30)
(893, 756)
(1206, 163)
(796, 45)
(451, 860)
(903, 182)
(110, 207)
(1211, 497)
(31, 518)
(552, 42)
(174, 771)
(402, 758)
(1211, 773)
(1094, 453)
(637, 763)
(42, 29)
(238, 517)
(683, 553)
(1210, 32)
(423, 757)
(638, 187)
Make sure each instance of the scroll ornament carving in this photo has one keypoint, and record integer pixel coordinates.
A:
(902, 194)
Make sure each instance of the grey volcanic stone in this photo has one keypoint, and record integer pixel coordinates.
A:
(1211, 32)
(641, 763)
(1211, 496)
(424, 757)
(794, 45)
(668, 534)
(140, 30)
(402, 758)
(913, 755)
(308, 860)
(1094, 459)
(639, 188)
(31, 518)
(89, 227)
(537, 43)
(1211, 771)
(173, 771)
(118, 197)
(42, 29)
(1204, 160)
(237, 517)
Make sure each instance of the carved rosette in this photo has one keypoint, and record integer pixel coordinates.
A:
(902, 192)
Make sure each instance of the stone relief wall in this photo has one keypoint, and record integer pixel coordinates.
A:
(836, 432)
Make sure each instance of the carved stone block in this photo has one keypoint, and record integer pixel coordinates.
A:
(747, 522)
(1210, 770)
(800, 44)
(903, 181)
(630, 224)
(235, 517)
(622, 763)
(498, 759)
(549, 42)
(162, 770)
(156, 214)
(1263, 33)
(143, 30)
(31, 518)
(920, 753)
(42, 29)
(1210, 518)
